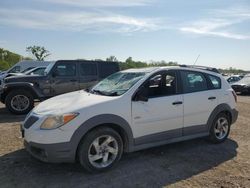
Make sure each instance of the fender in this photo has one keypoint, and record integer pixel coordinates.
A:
(23, 85)
(99, 120)
(220, 108)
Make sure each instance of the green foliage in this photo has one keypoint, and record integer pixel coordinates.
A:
(39, 52)
(112, 58)
(130, 63)
(4, 65)
(8, 59)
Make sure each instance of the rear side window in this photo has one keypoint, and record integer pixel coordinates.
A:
(88, 69)
(65, 69)
(193, 81)
(215, 82)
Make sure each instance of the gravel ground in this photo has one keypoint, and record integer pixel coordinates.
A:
(195, 163)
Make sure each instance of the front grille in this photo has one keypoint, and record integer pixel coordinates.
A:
(30, 121)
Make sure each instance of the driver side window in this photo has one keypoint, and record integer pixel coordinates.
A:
(163, 84)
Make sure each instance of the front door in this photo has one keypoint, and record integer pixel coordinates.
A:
(64, 78)
(161, 117)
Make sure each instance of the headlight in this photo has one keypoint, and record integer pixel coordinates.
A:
(53, 122)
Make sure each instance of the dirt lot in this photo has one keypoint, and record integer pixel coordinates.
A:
(195, 163)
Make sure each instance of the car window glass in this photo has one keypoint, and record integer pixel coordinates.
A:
(15, 69)
(193, 81)
(65, 69)
(39, 71)
(162, 85)
(88, 69)
(216, 83)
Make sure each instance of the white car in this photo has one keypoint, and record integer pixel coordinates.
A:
(129, 111)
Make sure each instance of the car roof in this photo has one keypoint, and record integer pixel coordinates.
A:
(155, 69)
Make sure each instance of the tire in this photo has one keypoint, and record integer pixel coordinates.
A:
(86, 150)
(19, 101)
(219, 131)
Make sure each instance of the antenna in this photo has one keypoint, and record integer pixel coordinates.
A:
(197, 59)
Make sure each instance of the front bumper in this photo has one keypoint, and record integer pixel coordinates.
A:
(54, 153)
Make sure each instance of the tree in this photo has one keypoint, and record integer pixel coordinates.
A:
(112, 58)
(38, 51)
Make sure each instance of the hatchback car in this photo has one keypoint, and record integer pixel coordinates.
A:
(129, 111)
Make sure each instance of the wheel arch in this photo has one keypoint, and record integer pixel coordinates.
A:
(15, 87)
(222, 108)
(105, 120)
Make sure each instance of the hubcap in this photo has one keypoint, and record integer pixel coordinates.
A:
(20, 102)
(103, 151)
(221, 128)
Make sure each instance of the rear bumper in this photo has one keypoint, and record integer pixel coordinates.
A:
(234, 115)
(54, 153)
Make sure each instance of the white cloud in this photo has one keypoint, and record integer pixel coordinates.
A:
(77, 21)
(101, 3)
(221, 24)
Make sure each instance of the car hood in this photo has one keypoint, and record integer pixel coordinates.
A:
(70, 102)
(23, 78)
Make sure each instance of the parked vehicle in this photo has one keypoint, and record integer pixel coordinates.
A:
(25, 66)
(242, 86)
(33, 71)
(129, 111)
(21, 67)
(19, 92)
(234, 78)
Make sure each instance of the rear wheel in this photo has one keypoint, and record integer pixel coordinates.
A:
(19, 101)
(220, 129)
(100, 150)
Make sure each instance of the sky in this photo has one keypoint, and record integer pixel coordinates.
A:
(218, 31)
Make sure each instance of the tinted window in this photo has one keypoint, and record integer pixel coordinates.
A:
(65, 69)
(39, 71)
(88, 69)
(162, 84)
(15, 69)
(25, 70)
(107, 68)
(193, 81)
(216, 82)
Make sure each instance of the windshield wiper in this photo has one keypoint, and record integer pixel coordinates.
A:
(98, 92)
(104, 93)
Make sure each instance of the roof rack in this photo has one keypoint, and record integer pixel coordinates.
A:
(202, 68)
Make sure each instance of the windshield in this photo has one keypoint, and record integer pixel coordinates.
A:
(49, 67)
(118, 83)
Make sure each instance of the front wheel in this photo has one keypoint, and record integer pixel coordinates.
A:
(19, 101)
(220, 128)
(100, 150)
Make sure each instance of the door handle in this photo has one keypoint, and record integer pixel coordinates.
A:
(211, 98)
(177, 102)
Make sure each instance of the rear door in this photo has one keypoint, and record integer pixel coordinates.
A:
(88, 74)
(199, 101)
(64, 78)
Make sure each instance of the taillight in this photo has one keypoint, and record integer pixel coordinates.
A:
(235, 96)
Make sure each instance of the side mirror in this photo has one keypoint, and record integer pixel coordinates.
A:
(141, 95)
